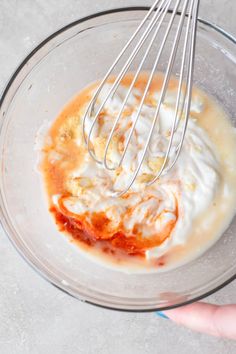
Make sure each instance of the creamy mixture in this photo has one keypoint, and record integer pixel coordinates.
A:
(152, 227)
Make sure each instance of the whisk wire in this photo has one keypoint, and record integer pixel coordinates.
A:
(189, 81)
(127, 64)
(164, 87)
(178, 113)
(165, 10)
(159, 11)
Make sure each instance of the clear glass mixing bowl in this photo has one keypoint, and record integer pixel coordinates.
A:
(53, 73)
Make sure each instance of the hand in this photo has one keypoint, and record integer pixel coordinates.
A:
(215, 320)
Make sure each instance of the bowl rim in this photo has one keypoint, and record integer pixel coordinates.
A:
(3, 220)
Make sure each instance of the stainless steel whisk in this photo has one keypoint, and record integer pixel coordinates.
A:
(185, 12)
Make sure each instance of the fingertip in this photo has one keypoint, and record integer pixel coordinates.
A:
(206, 318)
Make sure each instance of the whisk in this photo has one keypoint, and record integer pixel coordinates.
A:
(164, 17)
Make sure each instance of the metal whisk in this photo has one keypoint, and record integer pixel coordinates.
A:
(182, 19)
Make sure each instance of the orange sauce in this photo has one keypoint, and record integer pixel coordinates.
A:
(99, 230)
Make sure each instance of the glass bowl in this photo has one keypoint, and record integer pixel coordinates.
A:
(47, 79)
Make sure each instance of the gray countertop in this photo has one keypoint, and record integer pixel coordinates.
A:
(37, 318)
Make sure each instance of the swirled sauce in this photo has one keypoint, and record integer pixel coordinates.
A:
(152, 227)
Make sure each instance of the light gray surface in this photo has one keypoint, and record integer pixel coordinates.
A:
(35, 317)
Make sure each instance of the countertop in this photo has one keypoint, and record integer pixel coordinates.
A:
(37, 318)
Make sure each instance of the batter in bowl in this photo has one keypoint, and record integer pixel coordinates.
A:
(149, 228)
